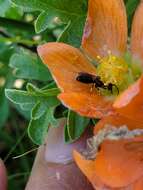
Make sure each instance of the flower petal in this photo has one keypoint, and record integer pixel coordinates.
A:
(87, 104)
(117, 165)
(106, 28)
(120, 163)
(118, 121)
(87, 167)
(65, 62)
(130, 102)
(138, 185)
(137, 33)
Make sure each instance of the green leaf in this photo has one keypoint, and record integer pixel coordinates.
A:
(65, 11)
(6, 51)
(27, 66)
(4, 6)
(53, 121)
(76, 125)
(4, 108)
(30, 4)
(29, 99)
(7, 9)
(63, 7)
(24, 112)
(37, 129)
(73, 32)
(42, 92)
(67, 138)
(131, 6)
(44, 21)
(25, 106)
(38, 110)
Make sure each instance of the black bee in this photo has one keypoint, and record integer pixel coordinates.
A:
(95, 81)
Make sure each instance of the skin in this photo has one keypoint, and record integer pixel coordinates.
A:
(46, 175)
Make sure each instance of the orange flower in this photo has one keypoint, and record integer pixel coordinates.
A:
(106, 29)
(119, 163)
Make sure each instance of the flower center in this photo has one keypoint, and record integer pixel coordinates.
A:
(116, 71)
(112, 69)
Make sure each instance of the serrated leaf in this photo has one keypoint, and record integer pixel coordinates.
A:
(38, 110)
(24, 112)
(73, 32)
(37, 129)
(34, 67)
(44, 21)
(76, 125)
(64, 7)
(20, 97)
(53, 121)
(25, 98)
(26, 106)
(30, 4)
(42, 92)
(64, 10)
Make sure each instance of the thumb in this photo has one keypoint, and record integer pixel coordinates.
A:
(3, 176)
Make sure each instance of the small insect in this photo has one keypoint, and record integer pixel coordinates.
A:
(95, 81)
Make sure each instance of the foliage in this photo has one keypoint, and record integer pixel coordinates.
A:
(71, 13)
(26, 82)
(53, 16)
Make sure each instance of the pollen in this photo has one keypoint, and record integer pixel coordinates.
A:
(113, 69)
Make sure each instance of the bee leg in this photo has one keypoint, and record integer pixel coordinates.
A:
(117, 89)
(92, 86)
(110, 87)
(98, 90)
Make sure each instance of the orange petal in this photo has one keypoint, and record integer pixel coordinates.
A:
(118, 121)
(106, 28)
(118, 164)
(87, 104)
(88, 168)
(65, 62)
(130, 102)
(137, 33)
(138, 185)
